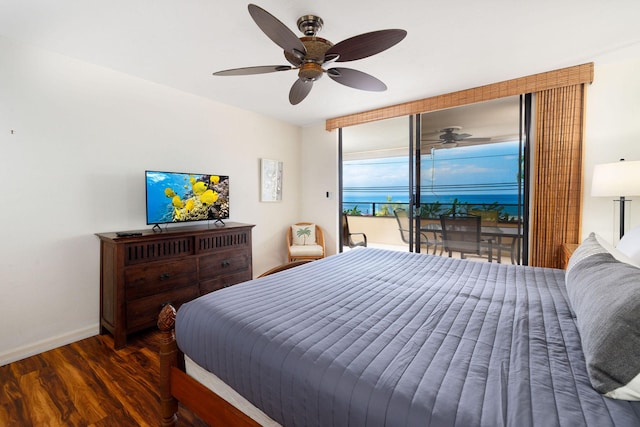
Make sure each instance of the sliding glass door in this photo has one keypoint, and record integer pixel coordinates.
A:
(377, 170)
(399, 175)
(472, 162)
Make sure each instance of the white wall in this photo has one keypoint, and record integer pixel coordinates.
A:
(74, 166)
(612, 133)
(319, 165)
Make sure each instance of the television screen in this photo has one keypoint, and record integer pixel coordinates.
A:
(174, 197)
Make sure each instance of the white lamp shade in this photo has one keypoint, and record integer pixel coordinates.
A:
(616, 179)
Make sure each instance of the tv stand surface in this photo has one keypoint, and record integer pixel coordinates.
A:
(144, 270)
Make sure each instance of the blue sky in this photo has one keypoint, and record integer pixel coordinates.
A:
(449, 171)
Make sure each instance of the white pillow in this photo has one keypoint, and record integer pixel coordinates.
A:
(630, 244)
(616, 253)
(303, 234)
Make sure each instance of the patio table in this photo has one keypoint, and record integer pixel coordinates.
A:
(490, 231)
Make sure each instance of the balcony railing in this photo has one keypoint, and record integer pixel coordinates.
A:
(507, 213)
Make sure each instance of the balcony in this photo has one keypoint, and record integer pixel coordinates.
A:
(382, 228)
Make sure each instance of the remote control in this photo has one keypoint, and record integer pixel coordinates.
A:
(127, 234)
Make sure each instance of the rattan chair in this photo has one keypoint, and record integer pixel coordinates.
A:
(308, 242)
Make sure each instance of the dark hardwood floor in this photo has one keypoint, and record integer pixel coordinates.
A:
(87, 383)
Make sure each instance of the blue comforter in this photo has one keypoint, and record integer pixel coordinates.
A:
(380, 338)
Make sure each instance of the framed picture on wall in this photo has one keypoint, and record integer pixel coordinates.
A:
(271, 180)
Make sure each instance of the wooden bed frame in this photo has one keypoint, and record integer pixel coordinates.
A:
(176, 386)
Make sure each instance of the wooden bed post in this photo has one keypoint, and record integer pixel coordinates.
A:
(168, 359)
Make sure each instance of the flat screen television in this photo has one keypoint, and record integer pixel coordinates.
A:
(177, 197)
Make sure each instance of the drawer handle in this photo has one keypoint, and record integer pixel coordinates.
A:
(165, 276)
(226, 263)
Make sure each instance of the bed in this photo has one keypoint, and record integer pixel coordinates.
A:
(372, 337)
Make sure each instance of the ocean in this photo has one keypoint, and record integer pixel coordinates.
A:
(365, 201)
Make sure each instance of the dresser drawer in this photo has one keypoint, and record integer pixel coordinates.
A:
(145, 251)
(143, 312)
(220, 282)
(227, 262)
(148, 279)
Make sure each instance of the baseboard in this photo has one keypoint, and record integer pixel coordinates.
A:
(48, 344)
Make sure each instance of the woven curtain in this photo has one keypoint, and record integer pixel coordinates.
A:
(558, 162)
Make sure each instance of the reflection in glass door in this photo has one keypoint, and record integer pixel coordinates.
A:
(471, 163)
(376, 180)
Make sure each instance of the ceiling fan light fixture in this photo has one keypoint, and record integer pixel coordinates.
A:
(310, 71)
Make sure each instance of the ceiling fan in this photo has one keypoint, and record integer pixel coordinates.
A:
(449, 138)
(308, 54)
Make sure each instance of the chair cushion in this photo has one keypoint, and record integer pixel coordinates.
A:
(303, 234)
(305, 250)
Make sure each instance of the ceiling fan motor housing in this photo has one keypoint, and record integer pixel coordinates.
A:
(311, 67)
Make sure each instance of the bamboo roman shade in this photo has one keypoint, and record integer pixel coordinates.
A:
(556, 202)
(529, 84)
(557, 181)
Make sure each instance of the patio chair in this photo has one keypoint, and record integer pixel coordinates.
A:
(490, 219)
(403, 226)
(347, 236)
(464, 234)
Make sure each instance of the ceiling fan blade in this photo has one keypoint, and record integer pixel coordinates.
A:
(459, 136)
(428, 144)
(279, 33)
(356, 79)
(299, 91)
(432, 145)
(477, 140)
(253, 70)
(463, 140)
(473, 141)
(364, 45)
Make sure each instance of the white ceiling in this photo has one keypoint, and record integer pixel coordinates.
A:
(450, 46)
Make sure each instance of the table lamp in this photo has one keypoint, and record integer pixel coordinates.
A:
(620, 179)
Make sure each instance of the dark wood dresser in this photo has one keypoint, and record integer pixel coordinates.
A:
(141, 273)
